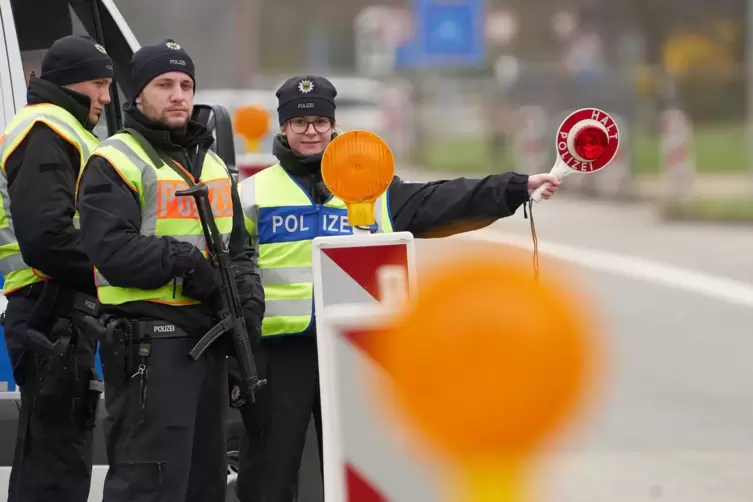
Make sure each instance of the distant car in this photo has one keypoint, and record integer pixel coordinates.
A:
(359, 104)
(247, 162)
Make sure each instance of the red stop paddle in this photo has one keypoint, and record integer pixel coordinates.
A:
(586, 142)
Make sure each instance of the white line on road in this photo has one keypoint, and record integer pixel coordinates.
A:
(718, 288)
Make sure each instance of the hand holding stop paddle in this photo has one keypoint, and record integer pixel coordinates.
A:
(586, 142)
(486, 365)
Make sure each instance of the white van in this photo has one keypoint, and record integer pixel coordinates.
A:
(28, 28)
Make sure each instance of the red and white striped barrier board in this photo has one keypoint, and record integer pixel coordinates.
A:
(359, 281)
(678, 152)
(368, 455)
(347, 268)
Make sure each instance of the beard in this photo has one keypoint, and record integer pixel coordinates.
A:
(171, 119)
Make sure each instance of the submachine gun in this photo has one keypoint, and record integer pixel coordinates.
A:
(231, 315)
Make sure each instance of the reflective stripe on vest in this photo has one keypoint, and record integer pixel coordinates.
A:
(282, 221)
(163, 213)
(16, 273)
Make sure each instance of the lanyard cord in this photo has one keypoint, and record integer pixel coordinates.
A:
(529, 203)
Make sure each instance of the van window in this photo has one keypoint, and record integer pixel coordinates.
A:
(36, 33)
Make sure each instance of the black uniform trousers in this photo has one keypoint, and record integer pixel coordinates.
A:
(165, 431)
(54, 444)
(276, 424)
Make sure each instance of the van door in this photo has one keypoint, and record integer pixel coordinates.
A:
(7, 98)
(28, 29)
(29, 35)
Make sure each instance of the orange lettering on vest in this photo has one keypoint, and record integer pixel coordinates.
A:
(172, 206)
(220, 195)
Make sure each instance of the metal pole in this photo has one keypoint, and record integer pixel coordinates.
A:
(748, 75)
(247, 27)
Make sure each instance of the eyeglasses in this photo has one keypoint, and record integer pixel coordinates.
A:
(321, 125)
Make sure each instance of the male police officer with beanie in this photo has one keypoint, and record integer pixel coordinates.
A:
(47, 274)
(166, 427)
(278, 421)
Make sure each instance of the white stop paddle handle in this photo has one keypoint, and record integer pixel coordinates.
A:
(559, 171)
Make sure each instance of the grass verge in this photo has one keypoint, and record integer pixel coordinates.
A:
(718, 149)
(710, 209)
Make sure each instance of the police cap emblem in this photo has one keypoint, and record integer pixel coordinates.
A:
(305, 86)
(173, 45)
(100, 48)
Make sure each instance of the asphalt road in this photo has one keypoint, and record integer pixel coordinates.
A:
(674, 419)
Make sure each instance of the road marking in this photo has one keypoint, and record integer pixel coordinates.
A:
(716, 287)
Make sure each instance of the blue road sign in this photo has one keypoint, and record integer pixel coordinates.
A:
(449, 33)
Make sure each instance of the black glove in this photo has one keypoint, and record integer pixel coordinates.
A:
(234, 381)
(252, 302)
(201, 281)
(253, 319)
(234, 376)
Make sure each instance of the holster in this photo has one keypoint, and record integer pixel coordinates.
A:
(53, 304)
(115, 350)
(56, 366)
(66, 388)
(65, 378)
(90, 405)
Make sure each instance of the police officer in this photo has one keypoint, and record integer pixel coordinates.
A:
(278, 421)
(47, 272)
(165, 432)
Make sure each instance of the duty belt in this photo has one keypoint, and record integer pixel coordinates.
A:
(149, 328)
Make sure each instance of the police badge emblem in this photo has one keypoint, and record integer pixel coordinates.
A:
(305, 86)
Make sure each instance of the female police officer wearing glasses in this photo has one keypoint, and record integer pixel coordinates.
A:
(277, 422)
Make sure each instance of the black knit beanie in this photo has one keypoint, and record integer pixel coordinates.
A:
(152, 61)
(303, 96)
(74, 59)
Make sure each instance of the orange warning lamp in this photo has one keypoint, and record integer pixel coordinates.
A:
(486, 364)
(358, 167)
(252, 122)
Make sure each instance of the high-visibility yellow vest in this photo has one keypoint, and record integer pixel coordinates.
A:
(282, 220)
(163, 213)
(15, 272)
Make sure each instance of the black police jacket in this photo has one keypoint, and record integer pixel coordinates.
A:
(111, 216)
(42, 174)
(433, 209)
